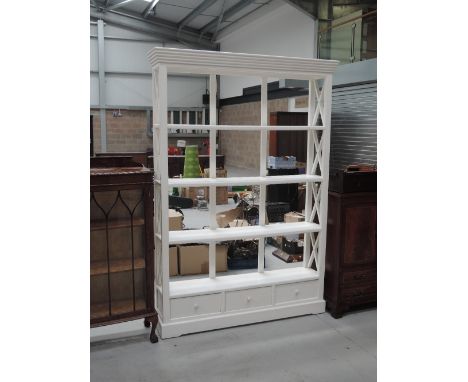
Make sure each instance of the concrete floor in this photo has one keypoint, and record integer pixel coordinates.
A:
(307, 348)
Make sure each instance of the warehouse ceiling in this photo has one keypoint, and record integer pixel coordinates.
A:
(195, 23)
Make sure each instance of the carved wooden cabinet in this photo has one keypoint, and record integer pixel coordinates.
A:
(121, 241)
(351, 260)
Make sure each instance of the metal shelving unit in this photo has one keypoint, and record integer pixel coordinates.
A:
(186, 306)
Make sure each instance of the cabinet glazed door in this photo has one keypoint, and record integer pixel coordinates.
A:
(360, 244)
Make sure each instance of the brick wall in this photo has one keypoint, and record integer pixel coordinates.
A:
(242, 148)
(124, 134)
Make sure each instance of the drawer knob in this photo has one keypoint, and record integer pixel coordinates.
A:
(249, 298)
(195, 306)
(296, 292)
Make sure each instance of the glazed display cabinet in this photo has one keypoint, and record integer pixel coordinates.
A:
(217, 301)
(122, 244)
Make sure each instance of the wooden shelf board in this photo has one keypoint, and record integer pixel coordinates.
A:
(113, 224)
(122, 265)
(117, 307)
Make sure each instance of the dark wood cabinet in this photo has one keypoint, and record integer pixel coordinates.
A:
(288, 142)
(175, 162)
(122, 246)
(351, 259)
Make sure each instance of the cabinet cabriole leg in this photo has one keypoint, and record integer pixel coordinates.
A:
(154, 323)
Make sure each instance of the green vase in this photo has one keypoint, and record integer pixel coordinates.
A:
(191, 163)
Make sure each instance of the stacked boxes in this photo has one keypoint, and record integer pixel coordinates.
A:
(194, 259)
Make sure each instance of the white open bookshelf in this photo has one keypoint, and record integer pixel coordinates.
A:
(217, 301)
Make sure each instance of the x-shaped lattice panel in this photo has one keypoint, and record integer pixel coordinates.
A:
(316, 196)
(314, 238)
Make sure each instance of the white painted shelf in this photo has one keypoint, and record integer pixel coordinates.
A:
(244, 127)
(238, 233)
(254, 279)
(243, 180)
(188, 135)
(218, 301)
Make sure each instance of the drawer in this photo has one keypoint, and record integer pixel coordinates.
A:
(248, 298)
(297, 291)
(197, 305)
(353, 277)
(360, 294)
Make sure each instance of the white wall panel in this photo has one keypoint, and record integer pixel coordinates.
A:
(131, 56)
(93, 55)
(136, 91)
(128, 91)
(186, 91)
(284, 31)
(128, 56)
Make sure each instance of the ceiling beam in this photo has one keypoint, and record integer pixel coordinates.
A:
(153, 27)
(253, 17)
(98, 4)
(220, 19)
(149, 8)
(117, 5)
(229, 13)
(197, 11)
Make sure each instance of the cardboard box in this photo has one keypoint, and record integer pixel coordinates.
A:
(173, 261)
(224, 218)
(221, 195)
(293, 217)
(220, 173)
(239, 223)
(221, 192)
(193, 259)
(175, 220)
